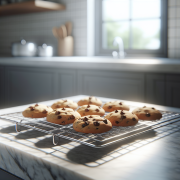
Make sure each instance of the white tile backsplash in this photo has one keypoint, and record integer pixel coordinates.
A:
(174, 29)
(37, 27)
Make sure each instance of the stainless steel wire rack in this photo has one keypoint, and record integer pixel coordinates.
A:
(116, 134)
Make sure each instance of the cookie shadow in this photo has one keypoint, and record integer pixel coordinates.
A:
(30, 134)
(84, 154)
(48, 142)
(11, 129)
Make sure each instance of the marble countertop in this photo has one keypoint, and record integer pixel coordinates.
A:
(158, 65)
(155, 155)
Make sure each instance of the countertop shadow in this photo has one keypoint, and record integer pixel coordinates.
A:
(84, 154)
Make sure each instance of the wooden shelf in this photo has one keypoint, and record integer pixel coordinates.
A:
(29, 7)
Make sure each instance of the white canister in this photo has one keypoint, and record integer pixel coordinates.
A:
(45, 51)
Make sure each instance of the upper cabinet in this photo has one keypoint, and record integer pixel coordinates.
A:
(29, 7)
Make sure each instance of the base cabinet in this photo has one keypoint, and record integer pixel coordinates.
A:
(155, 89)
(2, 87)
(120, 85)
(25, 85)
(173, 90)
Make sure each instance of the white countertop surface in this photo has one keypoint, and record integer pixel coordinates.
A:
(158, 65)
(158, 160)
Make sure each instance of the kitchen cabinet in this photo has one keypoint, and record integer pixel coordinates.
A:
(29, 7)
(28, 85)
(2, 87)
(114, 84)
(155, 89)
(173, 90)
(23, 85)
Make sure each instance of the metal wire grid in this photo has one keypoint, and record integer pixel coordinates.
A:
(62, 151)
(93, 140)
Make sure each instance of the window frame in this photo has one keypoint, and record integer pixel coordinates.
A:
(162, 52)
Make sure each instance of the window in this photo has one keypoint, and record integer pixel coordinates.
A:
(140, 23)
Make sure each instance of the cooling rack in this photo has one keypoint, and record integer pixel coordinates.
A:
(116, 134)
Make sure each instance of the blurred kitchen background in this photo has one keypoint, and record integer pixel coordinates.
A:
(37, 27)
(148, 29)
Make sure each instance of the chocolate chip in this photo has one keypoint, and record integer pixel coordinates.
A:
(116, 111)
(153, 108)
(97, 110)
(90, 117)
(59, 117)
(63, 122)
(31, 108)
(44, 112)
(134, 119)
(148, 115)
(72, 117)
(127, 122)
(85, 124)
(67, 106)
(57, 112)
(90, 97)
(109, 107)
(96, 123)
(97, 128)
(120, 103)
(105, 121)
(123, 117)
(86, 110)
(85, 119)
(122, 112)
(88, 106)
(144, 107)
(36, 105)
(117, 122)
(65, 112)
(94, 120)
(63, 108)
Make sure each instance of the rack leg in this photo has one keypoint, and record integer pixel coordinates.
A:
(55, 143)
(16, 127)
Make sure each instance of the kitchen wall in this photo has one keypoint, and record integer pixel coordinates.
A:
(37, 27)
(174, 28)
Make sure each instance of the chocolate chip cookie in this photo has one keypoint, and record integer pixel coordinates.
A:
(115, 105)
(90, 100)
(65, 103)
(63, 116)
(37, 111)
(91, 110)
(92, 124)
(147, 113)
(122, 118)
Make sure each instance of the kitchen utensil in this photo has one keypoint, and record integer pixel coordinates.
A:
(45, 51)
(65, 46)
(69, 28)
(23, 48)
(64, 31)
(55, 32)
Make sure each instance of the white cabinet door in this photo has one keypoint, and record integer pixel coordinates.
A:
(120, 85)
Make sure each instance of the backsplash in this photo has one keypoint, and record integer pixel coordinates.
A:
(174, 28)
(37, 27)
